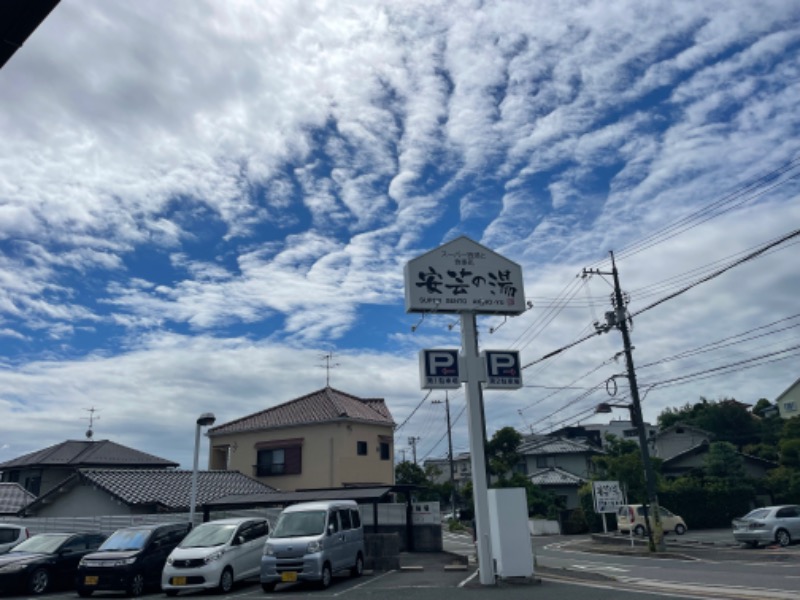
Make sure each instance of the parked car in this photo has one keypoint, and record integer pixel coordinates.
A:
(768, 525)
(630, 517)
(313, 540)
(215, 555)
(130, 560)
(11, 535)
(45, 561)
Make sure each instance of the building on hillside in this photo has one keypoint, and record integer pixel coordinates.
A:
(109, 492)
(788, 402)
(545, 451)
(42, 470)
(324, 439)
(13, 498)
(595, 433)
(440, 467)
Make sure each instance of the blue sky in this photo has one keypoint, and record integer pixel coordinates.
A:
(200, 200)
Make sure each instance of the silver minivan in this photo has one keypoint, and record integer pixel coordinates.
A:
(312, 541)
(215, 555)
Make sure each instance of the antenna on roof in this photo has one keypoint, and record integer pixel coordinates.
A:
(92, 418)
(328, 366)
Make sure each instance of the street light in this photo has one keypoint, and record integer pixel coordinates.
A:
(204, 420)
(655, 539)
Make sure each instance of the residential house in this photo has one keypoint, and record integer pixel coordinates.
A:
(676, 439)
(788, 402)
(563, 484)
(324, 439)
(694, 459)
(13, 497)
(108, 492)
(545, 451)
(42, 470)
(559, 464)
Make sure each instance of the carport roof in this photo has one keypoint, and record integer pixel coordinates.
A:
(18, 20)
(363, 495)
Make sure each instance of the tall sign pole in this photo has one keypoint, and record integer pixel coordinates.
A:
(466, 278)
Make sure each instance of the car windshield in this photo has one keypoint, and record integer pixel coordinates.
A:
(295, 524)
(126, 539)
(43, 544)
(208, 535)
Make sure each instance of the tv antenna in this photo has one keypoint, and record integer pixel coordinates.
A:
(329, 364)
(91, 418)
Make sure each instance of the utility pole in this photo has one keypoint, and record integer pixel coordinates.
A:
(412, 441)
(449, 452)
(618, 319)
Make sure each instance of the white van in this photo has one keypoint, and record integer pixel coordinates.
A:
(312, 541)
(11, 535)
(216, 554)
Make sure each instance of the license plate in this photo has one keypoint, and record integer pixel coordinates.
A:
(90, 580)
(288, 576)
(179, 581)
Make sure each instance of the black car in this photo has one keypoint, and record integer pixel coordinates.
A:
(130, 560)
(45, 561)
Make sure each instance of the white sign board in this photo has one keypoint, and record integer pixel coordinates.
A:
(439, 369)
(608, 496)
(502, 370)
(463, 276)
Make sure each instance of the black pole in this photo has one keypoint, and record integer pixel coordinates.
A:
(656, 539)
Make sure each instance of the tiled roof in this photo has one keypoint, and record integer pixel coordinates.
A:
(546, 445)
(13, 497)
(322, 406)
(167, 489)
(86, 453)
(555, 476)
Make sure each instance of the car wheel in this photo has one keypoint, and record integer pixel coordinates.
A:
(135, 585)
(358, 568)
(325, 582)
(639, 530)
(680, 529)
(783, 538)
(39, 581)
(225, 581)
(268, 586)
(84, 593)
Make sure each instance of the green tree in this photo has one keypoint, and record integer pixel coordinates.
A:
(501, 452)
(623, 462)
(724, 462)
(726, 419)
(409, 473)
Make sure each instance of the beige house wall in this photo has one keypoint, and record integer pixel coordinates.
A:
(329, 454)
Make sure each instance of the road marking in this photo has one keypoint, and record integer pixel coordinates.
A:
(599, 568)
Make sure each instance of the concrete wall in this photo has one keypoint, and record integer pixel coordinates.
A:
(329, 454)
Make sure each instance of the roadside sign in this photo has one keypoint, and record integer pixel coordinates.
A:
(439, 369)
(608, 496)
(463, 276)
(502, 370)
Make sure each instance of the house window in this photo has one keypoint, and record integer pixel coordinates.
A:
(789, 406)
(541, 462)
(361, 448)
(279, 457)
(386, 453)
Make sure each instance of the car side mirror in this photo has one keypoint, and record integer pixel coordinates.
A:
(330, 529)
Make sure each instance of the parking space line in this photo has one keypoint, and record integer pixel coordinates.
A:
(364, 583)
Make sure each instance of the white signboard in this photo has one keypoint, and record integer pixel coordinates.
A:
(502, 370)
(608, 496)
(463, 276)
(439, 369)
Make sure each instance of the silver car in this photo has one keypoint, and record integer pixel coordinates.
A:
(768, 525)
